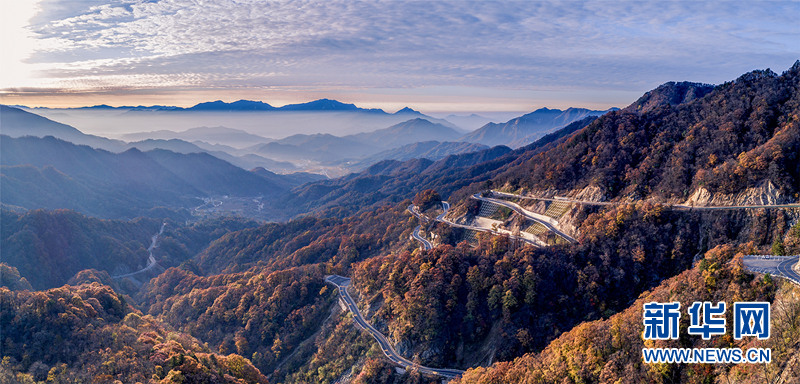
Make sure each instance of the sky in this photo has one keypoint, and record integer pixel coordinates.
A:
(434, 56)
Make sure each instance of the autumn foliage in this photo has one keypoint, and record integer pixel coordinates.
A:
(610, 351)
(89, 333)
(742, 134)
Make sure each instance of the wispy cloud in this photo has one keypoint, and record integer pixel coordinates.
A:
(531, 45)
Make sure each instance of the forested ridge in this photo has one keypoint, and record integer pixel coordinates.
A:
(739, 135)
(440, 305)
(609, 350)
(310, 240)
(50, 247)
(89, 333)
(240, 301)
(675, 139)
(391, 181)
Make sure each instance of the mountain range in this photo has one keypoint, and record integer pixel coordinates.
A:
(526, 129)
(330, 148)
(299, 148)
(415, 138)
(237, 301)
(216, 135)
(52, 173)
(292, 153)
(16, 123)
(432, 150)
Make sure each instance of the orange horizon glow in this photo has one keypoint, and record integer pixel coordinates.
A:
(390, 103)
(431, 58)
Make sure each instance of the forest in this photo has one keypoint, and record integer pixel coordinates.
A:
(742, 134)
(449, 298)
(234, 300)
(50, 247)
(609, 350)
(89, 333)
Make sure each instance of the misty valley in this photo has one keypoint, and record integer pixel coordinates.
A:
(399, 192)
(415, 252)
(216, 171)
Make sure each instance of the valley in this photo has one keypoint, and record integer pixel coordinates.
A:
(341, 284)
(521, 251)
(151, 260)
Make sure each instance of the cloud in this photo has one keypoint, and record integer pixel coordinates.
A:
(398, 44)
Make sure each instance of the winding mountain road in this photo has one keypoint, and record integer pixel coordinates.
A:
(425, 243)
(549, 222)
(780, 266)
(342, 283)
(441, 218)
(673, 206)
(415, 235)
(151, 260)
(445, 208)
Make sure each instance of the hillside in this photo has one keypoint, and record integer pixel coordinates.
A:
(740, 135)
(454, 305)
(51, 247)
(217, 177)
(610, 350)
(431, 150)
(18, 123)
(218, 135)
(51, 173)
(526, 129)
(671, 93)
(463, 306)
(273, 276)
(411, 131)
(89, 333)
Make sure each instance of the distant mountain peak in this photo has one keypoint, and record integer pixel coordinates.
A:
(407, 132)
(527, 128)
(670, 93)
(571, 109)
(239, 105)
(757, 75)
(132, 150)
(795, 67)
(417, 120)
(99, 106)
(406, 110)
(320, 105)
